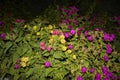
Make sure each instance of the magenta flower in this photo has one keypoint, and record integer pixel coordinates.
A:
(18, 61)
(79, 78)
(72, 31)
(106, 58)
(92, 70)
(47, 64)
(97, 76)
(109, 50)
(17, 66)
(18, 20)
(3, 36)
(86, 33)
(105, 69)
(90, 38)
(43, 47)
(66, 35)
(83, 69)
(70, 46)
(49, 48)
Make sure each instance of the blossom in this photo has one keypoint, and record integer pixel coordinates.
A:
(42, 44)
(104, 69)
(23, 64)
(109, 50)
(74, 56)
(63, 41)
(79, 78)
(69, 51)
(72, 31)
(105, 58)
(38, 33)
(47, 64)
(56, 32)
(92, 70)
(66, 35)
(70, 46)
(64, 48)
(35, 28)
(90, 38)
(62, 36)
(25, 59)
(108, 37)
(86, 33)
(83, 69)
(49, 48)
(50, 26)
(97, 76)
(18, 20)
(3, 36)
(18, 61)
(17, 66)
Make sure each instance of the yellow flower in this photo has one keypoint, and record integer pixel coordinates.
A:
(51, 31)
(64, 48)
(25, 26)
(34, 28)
(51, 40)
(74, 56)
(63, 41)
(24, 59)
(69, 51)
(50, 26)
(23, 64)
(62, 36)
(38, 33)
(53, 36)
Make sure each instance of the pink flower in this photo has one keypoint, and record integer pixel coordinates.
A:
(86, 33)
(92, 70)
(49, 48)
(83, 69)
(90, 38)
(106, 58)
(56, 32)
(42, 44)
(72, 31)
(43, 47)
(18, 20)
(47, 64)
(79, 78)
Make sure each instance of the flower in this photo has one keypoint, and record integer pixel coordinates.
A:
(18, 20)
(97, 76)
(43, 47)
(105, 58)
(92, 70)
(56, 32)
(86, 33)
(49, 48)
(79, 78)
(109, 50)
(105, 69)
(70, 46)
(74, 56)
(69, 51)
(42, 44)
(38, 33)
(18, 61)
(3, 36)
(83, 69)
(47, 64)
(90, 38)
(62, 36)
(64, 48)
(17, 66)
(23, 64)
(63, 41)
(34, 28)
(72, 31)
(50, 26)
(25, 59)
(66, 35)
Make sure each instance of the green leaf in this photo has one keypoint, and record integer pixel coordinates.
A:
(58, 55)
(29, 72)
(7, 46)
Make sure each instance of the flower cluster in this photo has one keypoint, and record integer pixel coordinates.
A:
(108, 37)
